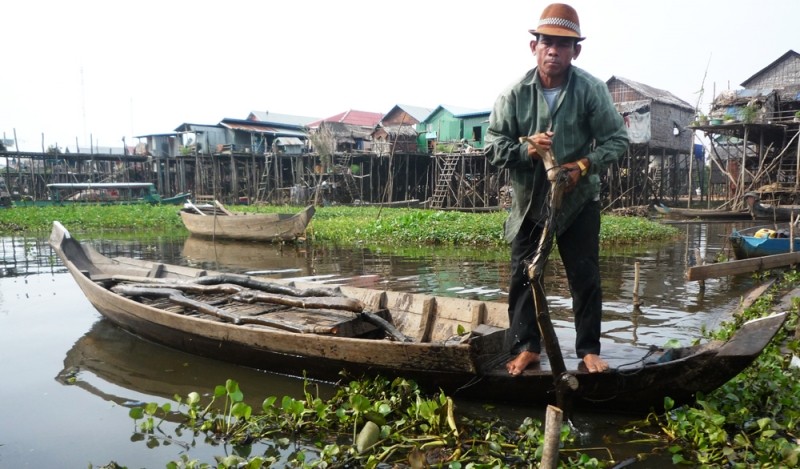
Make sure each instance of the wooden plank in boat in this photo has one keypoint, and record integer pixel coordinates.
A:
(303, 321)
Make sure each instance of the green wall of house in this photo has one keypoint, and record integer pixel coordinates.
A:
(443, 127)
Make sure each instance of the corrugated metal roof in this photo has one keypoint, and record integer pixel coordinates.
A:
(189, 127)
(255, 127)
(249, 127)
(353, 117)
(288, 141)
(275, 118)
(460, 111)
(417, 112)
(292, 133)
(170, 134)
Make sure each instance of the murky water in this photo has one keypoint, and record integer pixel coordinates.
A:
(69, 376)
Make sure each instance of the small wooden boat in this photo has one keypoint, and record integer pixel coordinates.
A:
(452, 344)
(103, 193)
(217, 222)
(766, 240)
(766, 212)
(711, 214)
(177, 199)
(410, 203)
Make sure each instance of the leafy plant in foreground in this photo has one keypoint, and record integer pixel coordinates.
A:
(751, 421)
(312, 432)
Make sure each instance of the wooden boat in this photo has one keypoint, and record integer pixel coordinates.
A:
(675, 213)
(766, 240)
(774, 213)
(452, 344)
(104, 193)
(217, 222)
(177, 199)
(410, 203)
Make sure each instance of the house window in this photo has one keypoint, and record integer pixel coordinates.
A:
(476, 133)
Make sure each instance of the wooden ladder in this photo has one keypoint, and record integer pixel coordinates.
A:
(263, 185)
(344, 161)
(446, 171)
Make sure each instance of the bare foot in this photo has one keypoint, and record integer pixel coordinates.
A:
(594, 363)
(525, 359)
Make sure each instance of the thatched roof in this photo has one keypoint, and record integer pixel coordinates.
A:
(655, 94)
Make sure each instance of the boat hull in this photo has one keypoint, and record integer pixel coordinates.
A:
(688, 214)
(438, 355)
(249, 227)
(746, 245)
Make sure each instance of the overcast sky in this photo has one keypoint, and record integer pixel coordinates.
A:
(71, 69)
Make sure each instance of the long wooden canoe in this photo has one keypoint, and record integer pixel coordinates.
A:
(220, 223)
(711, 214)
(452, 344)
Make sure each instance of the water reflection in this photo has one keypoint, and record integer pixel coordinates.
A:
(117, 366)
(25, 255)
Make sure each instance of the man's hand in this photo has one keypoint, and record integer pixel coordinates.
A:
(574, 172)
(539, 144)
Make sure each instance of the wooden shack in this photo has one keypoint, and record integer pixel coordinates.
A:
(397, 131)
(657, 163)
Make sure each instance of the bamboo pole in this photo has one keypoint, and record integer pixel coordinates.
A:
(636, 303)
(797, 170)
(740, 186)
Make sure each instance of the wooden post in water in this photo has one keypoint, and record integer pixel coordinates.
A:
(636, 303)
(700, 261)
(552, 437)
(691, 164)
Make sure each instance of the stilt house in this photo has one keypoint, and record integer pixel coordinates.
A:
(657, 162)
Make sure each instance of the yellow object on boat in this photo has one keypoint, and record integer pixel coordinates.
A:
(765, 233)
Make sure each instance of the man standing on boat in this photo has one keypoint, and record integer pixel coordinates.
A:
(563, 109)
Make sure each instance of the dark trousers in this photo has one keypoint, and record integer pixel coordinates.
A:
(579, 248)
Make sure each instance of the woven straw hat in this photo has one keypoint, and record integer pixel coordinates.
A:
(559, 19)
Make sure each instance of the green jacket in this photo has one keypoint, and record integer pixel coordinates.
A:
(584, 118)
